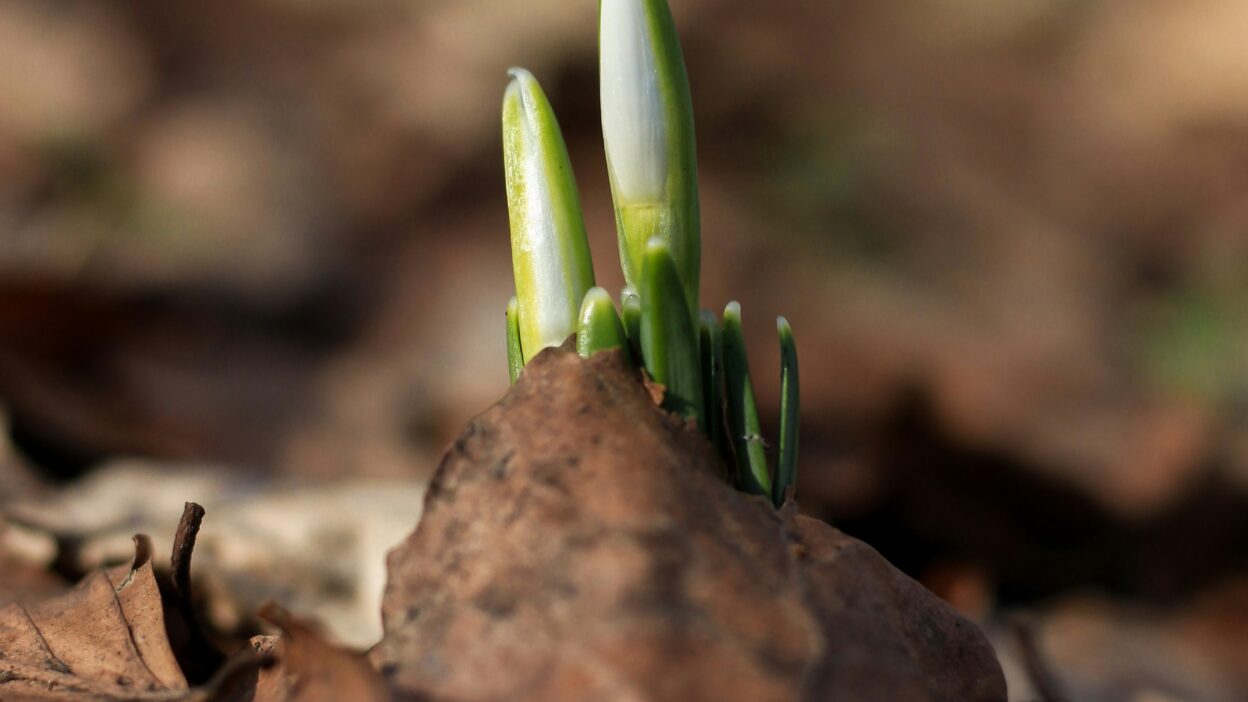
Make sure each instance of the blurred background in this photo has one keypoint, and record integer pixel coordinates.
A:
(1012, 239)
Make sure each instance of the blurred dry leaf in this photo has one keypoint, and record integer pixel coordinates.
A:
(268, 539)
(21, 580)
(309, 669)
(1100, 650)
(70, 72)
(18, 480)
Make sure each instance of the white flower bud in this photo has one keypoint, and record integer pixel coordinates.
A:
(633, 120)
(647, 124)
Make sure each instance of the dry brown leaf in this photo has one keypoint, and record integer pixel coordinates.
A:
(106, 640)
(103, 640)
(580, 544)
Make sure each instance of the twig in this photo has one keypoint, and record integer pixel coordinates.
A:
(183, 547)
(201, 657)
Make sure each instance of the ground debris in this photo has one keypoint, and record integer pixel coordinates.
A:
(107, 640)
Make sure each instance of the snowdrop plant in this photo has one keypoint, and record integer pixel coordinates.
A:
(647, 124)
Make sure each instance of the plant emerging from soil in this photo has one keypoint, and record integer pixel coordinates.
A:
(647, 124)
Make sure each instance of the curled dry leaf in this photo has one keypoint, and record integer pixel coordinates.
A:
(580, 544)
(103, 640)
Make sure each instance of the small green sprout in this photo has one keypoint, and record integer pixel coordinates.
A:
(549, 251)
(600, 327)
(515, 354)
(647, 124)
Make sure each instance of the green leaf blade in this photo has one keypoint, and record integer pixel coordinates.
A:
(712, 378)
(669, 344)
(790, 408)
(747, 440)
(600, 327)
(515, 355)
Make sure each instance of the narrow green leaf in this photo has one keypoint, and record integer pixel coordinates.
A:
(549, 250)
(712, 378)
(786, 466)
(747, 439)
(515, 356)
(647, 124)
(600, 327)
(669, 344)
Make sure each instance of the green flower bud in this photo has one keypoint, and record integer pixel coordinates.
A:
(549, 250)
